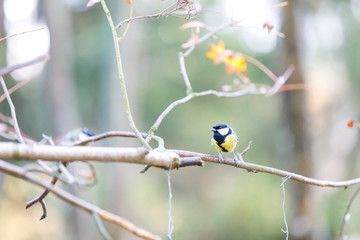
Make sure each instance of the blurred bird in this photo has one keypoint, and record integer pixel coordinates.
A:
(224, 139)
(74, 136)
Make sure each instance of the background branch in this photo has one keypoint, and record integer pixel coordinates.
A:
(12, 109)
(156, 15)
(7, 70)
(77, 202)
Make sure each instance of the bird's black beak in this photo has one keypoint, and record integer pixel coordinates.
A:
(213, 129)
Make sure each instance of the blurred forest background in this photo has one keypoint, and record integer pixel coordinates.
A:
(299, 131)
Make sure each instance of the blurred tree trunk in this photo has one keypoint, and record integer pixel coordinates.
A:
(294, 103)
(59, 80)
(60, 90)
(113, 115)
(2, 54)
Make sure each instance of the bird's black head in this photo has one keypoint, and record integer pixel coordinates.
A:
(221, 129)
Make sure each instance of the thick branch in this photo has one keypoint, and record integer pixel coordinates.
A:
(140, 155)
(77, 202)
(13, 151)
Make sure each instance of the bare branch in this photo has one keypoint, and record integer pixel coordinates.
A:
(140, 155)
(194, 95)
(14, 88)
(16, 34)
(347, 215)
(157, 15)
(7, 70)
(262, 67)
(170, 220)
(122, 77)
(210, 34)
(101, 227)
(77, 202)
(250, 167)
(282, 185)
(12, 109)
(281, 80)
(13, 151)
(184, 73)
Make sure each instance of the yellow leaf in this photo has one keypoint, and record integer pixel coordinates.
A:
(235, 64)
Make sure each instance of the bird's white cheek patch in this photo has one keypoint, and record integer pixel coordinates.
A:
(223, 131)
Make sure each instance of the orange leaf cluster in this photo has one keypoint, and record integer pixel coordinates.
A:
(234, 62)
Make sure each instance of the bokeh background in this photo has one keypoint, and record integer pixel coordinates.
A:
(299, 131)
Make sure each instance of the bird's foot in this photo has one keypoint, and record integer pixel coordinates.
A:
(220, 158)
(236, 160)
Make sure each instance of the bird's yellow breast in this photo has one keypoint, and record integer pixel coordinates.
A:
(228, 145)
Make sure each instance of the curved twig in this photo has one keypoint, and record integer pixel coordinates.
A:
(346, 217)
(121, 76)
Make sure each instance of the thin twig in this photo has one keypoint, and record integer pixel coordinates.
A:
(121, 76)
(43, 205)
(281, 80)
(16, 34)
(110, 134)
(250, 90)
(14, 88)
(40, 199)
(189, 97)
(170, 220)
(240, 155)
(128, 25)
(12, 109)
(184, 73)
(7, 70)
(209, 34)
(61, 170)
(101, 227)
(347, 215)
(262, 67)
(157, 15)
(286, 231)
(255, 168)
(19, 172)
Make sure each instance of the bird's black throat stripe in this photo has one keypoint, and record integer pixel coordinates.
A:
(219, 141)
(223, 149)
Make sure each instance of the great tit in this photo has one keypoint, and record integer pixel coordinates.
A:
(224, 139)
(74, 136)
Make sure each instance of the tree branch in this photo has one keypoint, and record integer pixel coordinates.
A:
(77, 202)
(347, 215)
(140, 155)
(156, 15)
(7, 70)
(121, 76)
(250, 167)
(12, 109)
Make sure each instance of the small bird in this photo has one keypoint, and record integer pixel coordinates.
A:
(224, 139)
(74, 136)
